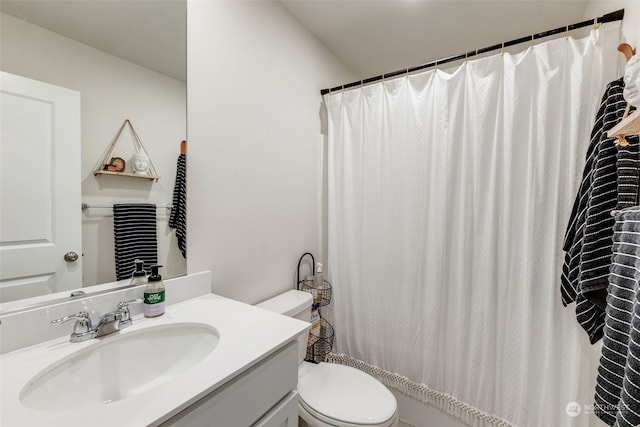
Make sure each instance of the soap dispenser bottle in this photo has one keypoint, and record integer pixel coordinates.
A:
(318, 279)
(139, 276)
(154, 294)
(318, 284)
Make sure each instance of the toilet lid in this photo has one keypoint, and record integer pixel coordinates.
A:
(345, 394)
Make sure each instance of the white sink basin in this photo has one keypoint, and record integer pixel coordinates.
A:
(149, 372)
(120, 365)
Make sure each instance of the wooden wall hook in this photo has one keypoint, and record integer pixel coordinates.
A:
(626, 50)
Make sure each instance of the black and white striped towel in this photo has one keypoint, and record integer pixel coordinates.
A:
(617, 397)
(134, 226)
(605, 186)
(178, 218)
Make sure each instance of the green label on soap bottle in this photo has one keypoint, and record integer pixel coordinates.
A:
(154, 297)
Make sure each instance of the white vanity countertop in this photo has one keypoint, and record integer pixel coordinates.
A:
(247, 335)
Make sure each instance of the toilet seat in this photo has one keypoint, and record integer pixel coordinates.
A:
(315, 419)
(342, 396)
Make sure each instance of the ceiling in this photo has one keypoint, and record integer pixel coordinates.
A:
(370, 36)
(379, 36)
(150, 33)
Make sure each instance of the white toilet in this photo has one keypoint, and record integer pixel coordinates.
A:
(332, 395)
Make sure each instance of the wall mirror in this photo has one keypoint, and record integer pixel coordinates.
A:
(127, 60)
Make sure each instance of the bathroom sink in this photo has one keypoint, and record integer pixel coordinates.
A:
(119, 366)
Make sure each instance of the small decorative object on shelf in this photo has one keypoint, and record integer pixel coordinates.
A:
(118, 164)
(141, 164)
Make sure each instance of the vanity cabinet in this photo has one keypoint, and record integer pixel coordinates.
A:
(264, 395)
(284, 414)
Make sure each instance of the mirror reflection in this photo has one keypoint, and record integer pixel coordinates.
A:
(127, 61)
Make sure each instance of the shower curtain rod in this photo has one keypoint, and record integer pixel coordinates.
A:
(609, 17)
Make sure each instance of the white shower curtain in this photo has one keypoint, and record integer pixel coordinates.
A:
(449, 193)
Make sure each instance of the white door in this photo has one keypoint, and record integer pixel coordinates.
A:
(40, 215)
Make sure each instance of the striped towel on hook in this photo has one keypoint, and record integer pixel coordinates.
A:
(178, 218)
(134, 227)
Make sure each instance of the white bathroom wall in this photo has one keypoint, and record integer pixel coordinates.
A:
(112, 90)
(253, 85)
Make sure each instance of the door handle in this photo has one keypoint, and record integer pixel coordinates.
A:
(71, 256)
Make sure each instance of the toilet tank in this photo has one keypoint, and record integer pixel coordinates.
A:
(296, 304)
(292, 303)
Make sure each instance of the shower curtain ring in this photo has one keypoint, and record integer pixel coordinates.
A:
(566, 33)
(502, 49)
(532, 39)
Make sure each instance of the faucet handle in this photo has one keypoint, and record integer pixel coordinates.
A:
(82, 320)
(123, 306)
(82, 329)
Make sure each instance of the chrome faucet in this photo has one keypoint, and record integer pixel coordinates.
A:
(108, 323)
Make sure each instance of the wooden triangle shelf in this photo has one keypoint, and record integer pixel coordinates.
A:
(131, 175)
(109, 165)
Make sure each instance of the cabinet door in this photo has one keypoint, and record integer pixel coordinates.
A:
(247, 397)
(284, 414)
